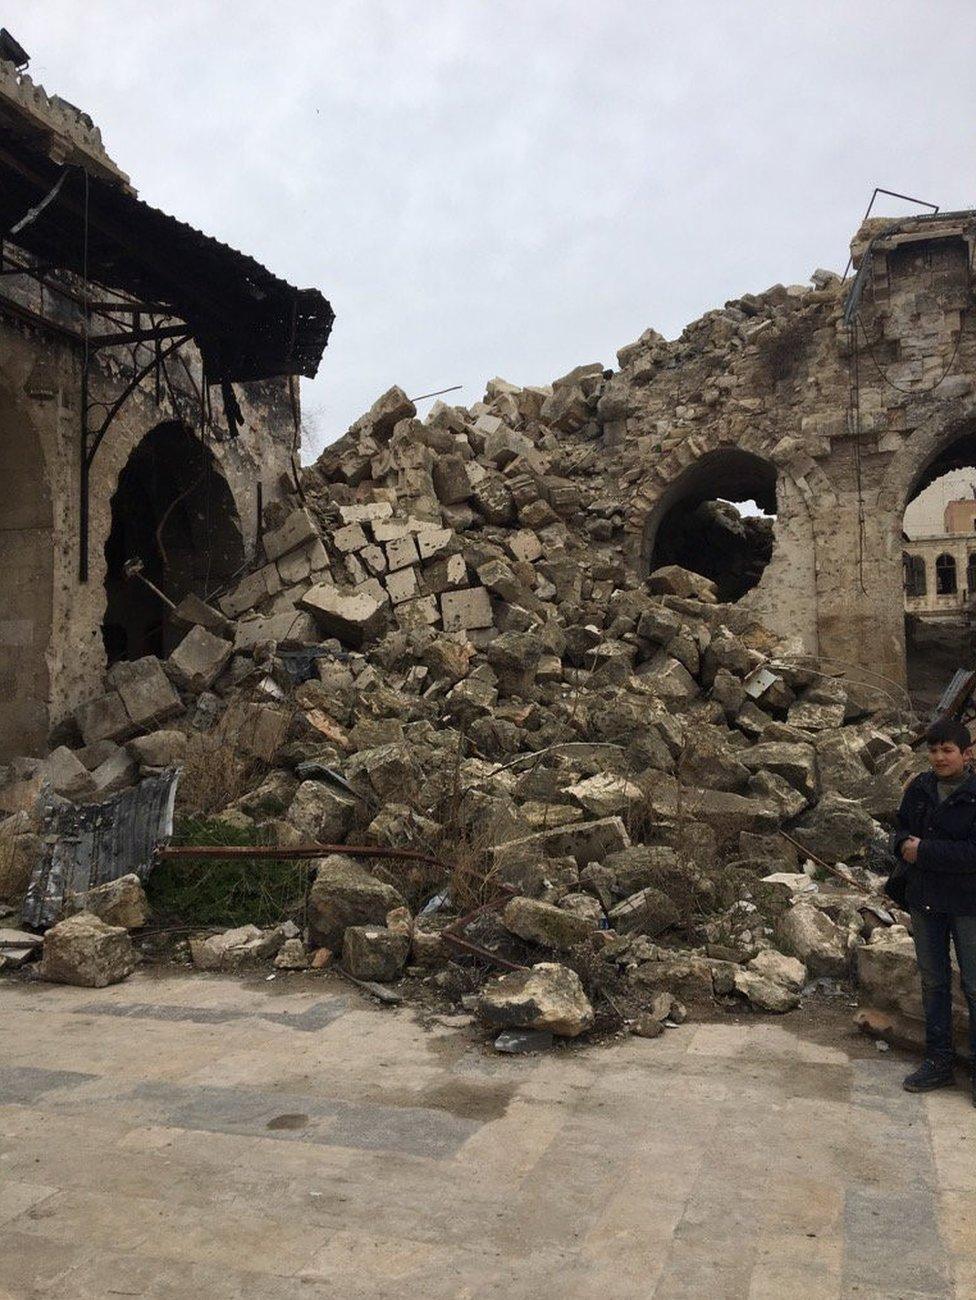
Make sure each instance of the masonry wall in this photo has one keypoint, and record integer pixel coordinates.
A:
(52, 654)
(770, 374)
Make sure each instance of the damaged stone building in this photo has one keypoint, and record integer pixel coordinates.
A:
(149, 416)
(148, 410)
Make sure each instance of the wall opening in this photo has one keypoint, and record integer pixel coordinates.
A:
(939, 559)
(26, 584)
(174, 514)
(717, 519)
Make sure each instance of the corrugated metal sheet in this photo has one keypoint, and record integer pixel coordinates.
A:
(89, 844)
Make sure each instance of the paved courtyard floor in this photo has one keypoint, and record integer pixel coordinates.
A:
(210, 1137)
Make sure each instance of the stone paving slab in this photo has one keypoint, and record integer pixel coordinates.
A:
(184, 1137)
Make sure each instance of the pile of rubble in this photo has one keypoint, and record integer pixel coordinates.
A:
(444, 647)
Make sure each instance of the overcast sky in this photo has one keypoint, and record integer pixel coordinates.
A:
(514, 187)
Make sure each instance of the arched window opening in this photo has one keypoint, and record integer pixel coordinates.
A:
(945, 575)
(173, 518)
(914, 574)
(717, 520)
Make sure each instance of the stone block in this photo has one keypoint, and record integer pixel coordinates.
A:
(468, 608)
(387, 412)
(585, 842)
(402, 585)
(104, 718)
(350, 538)
(67, 775)
(354, 618)
(158, 749)
(544, 924)
(299, 528)
(292, 629)
(115, 773)
(450, 571)
(549, 996)
(199, 659)
(525, 546)
(373, 952)
(251, 591)
(345, 894)
(433, 541)
(649, 911)
(451, 482)
(401, 553)
(83, 950)
(369, 512)
(120, 902)
(146, 691)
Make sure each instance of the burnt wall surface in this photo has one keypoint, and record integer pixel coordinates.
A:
(52, 638)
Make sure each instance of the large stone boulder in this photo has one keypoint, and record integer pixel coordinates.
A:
(118, 902)
(673, 580)
(344, 893)
(545, 924)
(321, 813)
(84, 950)
(20, 846)
(890, 993)
(649, 911)
(374, 952)
(765, 994)
(794, 762)
(812, 937)
(837, 829)
(549, 996)
(235, 948)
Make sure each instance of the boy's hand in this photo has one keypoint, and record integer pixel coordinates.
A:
(909, 848)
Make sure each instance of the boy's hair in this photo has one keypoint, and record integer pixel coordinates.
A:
(948, 731)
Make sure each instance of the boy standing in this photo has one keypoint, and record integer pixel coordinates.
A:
(936, 837)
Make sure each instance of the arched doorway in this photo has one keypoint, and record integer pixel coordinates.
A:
(26, 583)
(173, 514)
(717, 520)
(939, 532)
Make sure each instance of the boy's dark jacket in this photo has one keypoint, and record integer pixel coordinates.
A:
(944, 876)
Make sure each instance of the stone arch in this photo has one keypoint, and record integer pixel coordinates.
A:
(945, 440)
(785, 596)
(676, 530)
(26, 581)
(174, 513)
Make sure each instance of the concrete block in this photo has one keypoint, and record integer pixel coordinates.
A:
(200, 658)
(433, 541)
(146, 691)
(525, 546)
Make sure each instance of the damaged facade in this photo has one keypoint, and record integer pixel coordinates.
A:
(122, 333)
